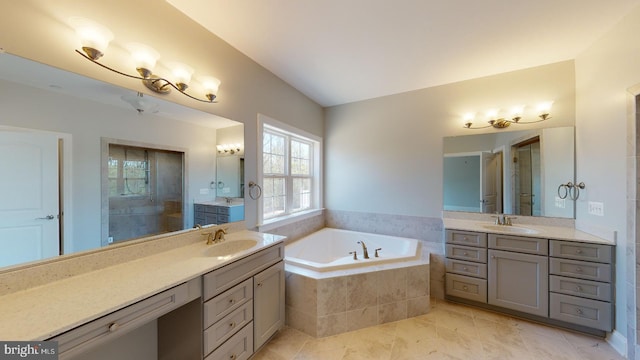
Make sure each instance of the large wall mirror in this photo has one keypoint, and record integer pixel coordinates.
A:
(515, 172)
(87, 164)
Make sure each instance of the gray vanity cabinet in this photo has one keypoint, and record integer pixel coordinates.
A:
(243, 304)
(518, 273)
(268, 295)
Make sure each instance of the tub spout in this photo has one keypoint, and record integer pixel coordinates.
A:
(364, 249)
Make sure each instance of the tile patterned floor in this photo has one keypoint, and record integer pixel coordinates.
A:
(448, 331)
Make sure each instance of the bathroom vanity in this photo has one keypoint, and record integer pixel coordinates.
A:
(206, 213)
(221, 301)
(554, 275)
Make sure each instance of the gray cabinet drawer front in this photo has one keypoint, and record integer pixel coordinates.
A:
(519, 244)
(219, 332)
(224, 210)
(579, 287)
(223, 219)
(120, 322)
(581, 251)
(227, 276)
(198, 208)
(466, 268)
(221, 305)
(466, 238)
(591, 313)
(466, 253)
(238, 347)
(467, 287)
(580, 269)
(211, 209)
(210, 219)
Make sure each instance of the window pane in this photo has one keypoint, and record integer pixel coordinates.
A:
(300, 158)
(274, 197)
(273, 154)
(301, 194)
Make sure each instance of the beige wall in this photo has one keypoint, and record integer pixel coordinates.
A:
(604, 72)
(38, 30)
(384, 155)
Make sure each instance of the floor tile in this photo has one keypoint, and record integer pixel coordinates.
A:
(449, 331)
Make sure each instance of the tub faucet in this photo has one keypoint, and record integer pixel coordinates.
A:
(364, 249)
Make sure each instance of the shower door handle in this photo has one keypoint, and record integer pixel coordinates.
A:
(48, 217)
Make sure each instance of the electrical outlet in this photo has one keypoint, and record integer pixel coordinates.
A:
(560, 203)
(596, 208)
(204, 191)
(110, 240)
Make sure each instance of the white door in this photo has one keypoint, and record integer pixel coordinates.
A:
(488, 186)
(28, 197)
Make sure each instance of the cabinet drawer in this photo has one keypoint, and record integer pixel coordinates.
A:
(466, 268)
(592, 313)
(580, 269)
(221, 305)
(120, 322)
(578, 287)
(238, 347)
(198, 208)
(581, 251)
(521, 244)
(210, 209)
(467, 287)
(219, 332)
(466, 238)
(210, 219)
(223, 219)
(227, 276)
(224, 210)
(199, 218)
(466, 253)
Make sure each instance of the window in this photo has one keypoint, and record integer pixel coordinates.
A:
(128, 171)
(290, 171)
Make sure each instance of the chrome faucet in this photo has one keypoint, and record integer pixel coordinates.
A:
(215, 237)
(364, 249)
(502, 219)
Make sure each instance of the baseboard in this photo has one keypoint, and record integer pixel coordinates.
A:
(618, 342)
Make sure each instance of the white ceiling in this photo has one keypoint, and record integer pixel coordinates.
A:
(340, 51)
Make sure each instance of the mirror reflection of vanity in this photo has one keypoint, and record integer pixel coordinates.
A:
(84, 117)
(516, 172)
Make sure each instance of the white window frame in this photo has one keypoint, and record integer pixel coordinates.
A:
(316, 186)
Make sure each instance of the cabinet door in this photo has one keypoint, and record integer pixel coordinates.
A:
(519, 282)
(268, 299)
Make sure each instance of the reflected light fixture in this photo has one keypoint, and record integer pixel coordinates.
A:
(229, 149)
(543, 113)
(95, 38)
(140, 103)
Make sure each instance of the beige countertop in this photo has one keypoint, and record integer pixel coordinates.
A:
(539, 231)
(44, 311)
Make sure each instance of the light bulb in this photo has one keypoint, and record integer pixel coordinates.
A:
(94, 38)
(182, 75)
(144, 57)
(211, 86)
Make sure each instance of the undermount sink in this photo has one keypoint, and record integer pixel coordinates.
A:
(510, 229)
(230, 247)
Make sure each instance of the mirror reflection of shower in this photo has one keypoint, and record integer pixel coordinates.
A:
(527, 177)
(145, 191)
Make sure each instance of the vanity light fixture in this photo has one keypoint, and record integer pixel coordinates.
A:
(229, 149)
(95, 38)
(515, 118)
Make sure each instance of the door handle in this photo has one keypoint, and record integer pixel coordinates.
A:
(48, 217)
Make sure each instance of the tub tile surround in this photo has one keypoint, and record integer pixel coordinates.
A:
(334, 305)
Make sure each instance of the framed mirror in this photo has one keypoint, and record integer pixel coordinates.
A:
(516, 172)
(72, 120)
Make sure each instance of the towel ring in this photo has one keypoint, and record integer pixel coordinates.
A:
(576, 190)
(253, 185)
(566, 190)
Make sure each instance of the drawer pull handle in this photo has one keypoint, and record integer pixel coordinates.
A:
(493, 256)
(233, 357)
(465, 268)
(465, 287)
(578, 269)
(259, 284)
(579, 288)
(579, 311)
(465, 238)
(579, 251)
(113, 327)
(232, 324)
(232, 301)
(465, 253)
